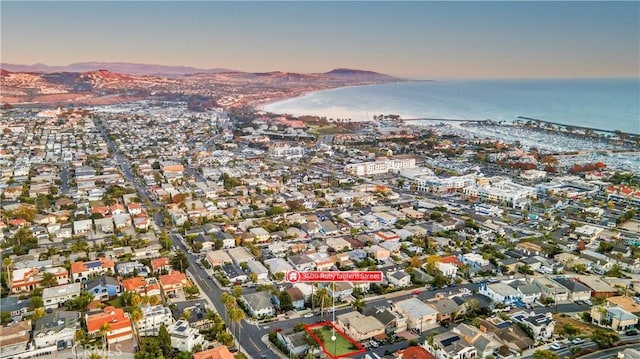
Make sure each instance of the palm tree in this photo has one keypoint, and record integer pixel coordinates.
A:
(7, 264)
(186, 315)
(236, 315)
(105, 328)
(358, 304)
(228, 301)
(136, 316)
(95, 355)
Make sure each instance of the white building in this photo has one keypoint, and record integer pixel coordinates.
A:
(54, 297)
(183, 337)
(378, 167)
(541, 325)
(259, 269)
(152, 318)
(55, 327)
(419, 315)
(447, 269)
(502, 191)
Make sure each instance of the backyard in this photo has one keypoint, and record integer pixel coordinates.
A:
(342, 346)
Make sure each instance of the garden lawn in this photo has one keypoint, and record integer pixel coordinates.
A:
(340, 347)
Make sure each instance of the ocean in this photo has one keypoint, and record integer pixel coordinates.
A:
(612, 104)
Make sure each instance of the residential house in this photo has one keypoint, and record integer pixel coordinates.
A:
(240, 255)
(84, 270)
(120, 328)
(143, 286)
(500, 293)
(360, 327)
(446, 308)
(173, 283)
(55, 297)
(183, 337)
(302, 262)
(577, 290)
(486, 344)
(393, 321)
(103, 288)
(474, 260)
(27, 279)
(259, 304)
(415, 352)
(218, 258)
(448, 270)
(56, 327)
(420, 316)
(259, 269)
(277, 265)
(15, 306)
(297, 298)
(340, 290)
(512, 336)
(82, 227)
(228, 241)
(15, 339)
(378, 253)
(294, 342)
(160, 264)
(551, 289)
(529, 292)
(153, 316)
(384, 236)
(221, 352)
(399, 279)
(260, 235)
(450, 345)
(234, 273)
(541, 325)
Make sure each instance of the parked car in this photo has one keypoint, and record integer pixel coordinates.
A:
(577, 341)
(557, 346)
(631, 332)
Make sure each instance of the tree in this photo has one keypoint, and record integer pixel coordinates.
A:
(165, 341)
(105, 328)
(49, 280)
(186, 315)
(236, 291)
(80, 302)
(7, 269)
(545, 354)
(180, 261)
(236, 315)
(228, 301)
(38, 313)
(286, 304)
(604, 338)
(94, 355)
(358, 304)
(191, 291)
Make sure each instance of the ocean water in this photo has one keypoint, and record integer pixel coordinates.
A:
(612, 104)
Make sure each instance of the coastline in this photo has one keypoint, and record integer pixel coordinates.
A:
(457, 101)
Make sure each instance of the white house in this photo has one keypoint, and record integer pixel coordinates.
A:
(259, 304)
(399, 279)
(183, 337)
(420, 316)
(83, 226)
(152, 318)
(54, 297)
(500, 293)
(259, 269)
(541, 325)
(447, 269)
(55, 327)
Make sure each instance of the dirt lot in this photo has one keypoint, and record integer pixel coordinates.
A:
(583, 329)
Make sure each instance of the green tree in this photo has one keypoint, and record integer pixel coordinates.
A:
(286, 304)
(180, 262)
(358, 304)
(545, 354)
(236, 292)
(604, 338)
(165, 341)
(49, 280)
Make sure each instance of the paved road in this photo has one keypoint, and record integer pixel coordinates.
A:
(64, 178)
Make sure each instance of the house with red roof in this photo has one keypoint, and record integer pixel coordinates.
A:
(141, 221)
(103, 210)
(119, 324)
(117, 209)
(134, 208)
(173, 282)
(81, 271)
(162, 263)
(142, 286)
(415, 352)
(221, 352)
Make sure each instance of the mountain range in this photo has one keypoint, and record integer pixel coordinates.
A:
(42, 85)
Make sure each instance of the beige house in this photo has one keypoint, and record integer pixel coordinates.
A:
(360, 327)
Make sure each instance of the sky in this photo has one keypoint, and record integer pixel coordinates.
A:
(453, 39)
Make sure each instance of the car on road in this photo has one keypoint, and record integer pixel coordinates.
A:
(557, 346)
(631, 332)
(577, 341)
(415, 292)
(308, 315)
(374, 343)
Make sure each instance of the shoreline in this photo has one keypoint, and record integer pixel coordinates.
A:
(344, 111)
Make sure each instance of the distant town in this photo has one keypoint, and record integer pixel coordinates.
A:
(165, 228)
